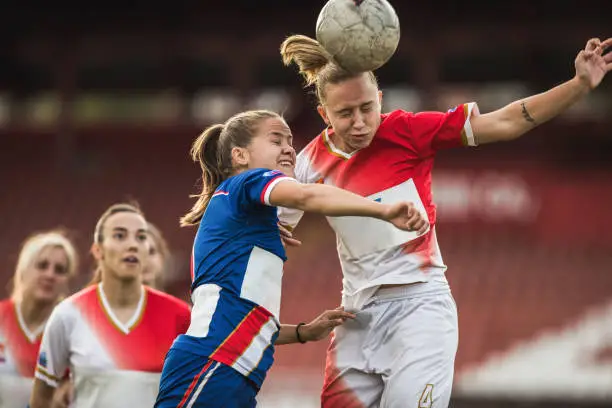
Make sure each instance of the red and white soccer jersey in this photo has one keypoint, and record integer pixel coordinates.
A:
(396, 166)
(18, 353)
(112, 364)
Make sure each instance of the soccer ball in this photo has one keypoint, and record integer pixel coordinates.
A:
(361, 35)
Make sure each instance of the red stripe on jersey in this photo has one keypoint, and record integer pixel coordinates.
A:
(263, 191)
(23, 352)
(193, 384)
(239, 340)
(143, 348)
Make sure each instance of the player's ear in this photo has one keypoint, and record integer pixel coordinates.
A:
(380, 95)
(240, 156)
(96, 251)
(323, 114)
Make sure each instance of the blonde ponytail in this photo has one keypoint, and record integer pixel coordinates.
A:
(316, 65)
(307, 54)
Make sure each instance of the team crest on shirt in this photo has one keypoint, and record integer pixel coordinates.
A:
(272, 173)
(2, 354)
(42, 359)
(451, 110)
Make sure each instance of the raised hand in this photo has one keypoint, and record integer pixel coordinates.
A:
(593, 63)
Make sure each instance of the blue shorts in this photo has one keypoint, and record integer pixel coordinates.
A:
(188, 380)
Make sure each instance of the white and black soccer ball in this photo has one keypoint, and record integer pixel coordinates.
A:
(361, 35)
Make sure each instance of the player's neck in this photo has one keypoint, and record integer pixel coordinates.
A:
(34, 313)
(341, 145)
(121, 293)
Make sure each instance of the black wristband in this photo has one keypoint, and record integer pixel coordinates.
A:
(297, 332)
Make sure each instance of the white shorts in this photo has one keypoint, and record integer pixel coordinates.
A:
(398, 352)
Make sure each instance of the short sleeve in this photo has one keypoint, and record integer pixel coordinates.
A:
(258, 184)
(53, 357)
(290, 217)
(433, 131)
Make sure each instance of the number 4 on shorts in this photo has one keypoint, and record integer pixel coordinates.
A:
(426, 400)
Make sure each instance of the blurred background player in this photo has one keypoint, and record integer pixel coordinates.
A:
(46, 263)
(159, 260)
(397, 281)
(153, 275)
(113, 335)
(237, 263)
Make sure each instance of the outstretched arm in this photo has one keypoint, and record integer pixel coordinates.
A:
(335, 202)
(517, 118)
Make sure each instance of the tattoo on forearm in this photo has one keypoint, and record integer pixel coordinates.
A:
(526, 115)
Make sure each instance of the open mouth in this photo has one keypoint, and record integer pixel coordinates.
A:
(286, 163)
(132, 260)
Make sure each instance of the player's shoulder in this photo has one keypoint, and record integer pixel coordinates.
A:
(251, 175)
(6, 305)
(315, 151)
(165, 302)
(84, 295)
(67, 310)
(83, 299)
(315, 146)
(7, 311)
(401, 125)
(395, 120)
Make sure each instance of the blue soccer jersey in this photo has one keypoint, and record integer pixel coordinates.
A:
(237, 268)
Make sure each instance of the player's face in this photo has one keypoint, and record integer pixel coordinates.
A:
(47, 277)
(124, 250)
(154, 266)
(352, 109)
(272, 147)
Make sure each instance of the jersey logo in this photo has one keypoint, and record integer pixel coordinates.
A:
(271, 173)
(42, 359)
(378, 200)
(451, 110)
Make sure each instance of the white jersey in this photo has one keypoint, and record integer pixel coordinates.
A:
(18, 352)
(111, 364)
(395, 167)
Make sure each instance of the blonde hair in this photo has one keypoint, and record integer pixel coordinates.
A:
(32, 247)
(316, 65)
(213, 151)
(99, 237)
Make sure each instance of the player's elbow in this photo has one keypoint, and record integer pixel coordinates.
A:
(303, 198)
(498, 129)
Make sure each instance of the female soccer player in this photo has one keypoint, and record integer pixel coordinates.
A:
(397, 282)
(237, 261)
(154, 272)
(112, 335)
(45, 264)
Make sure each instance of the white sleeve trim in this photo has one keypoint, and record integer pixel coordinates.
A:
(273, 184)
(46, 377)
(470, 109)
